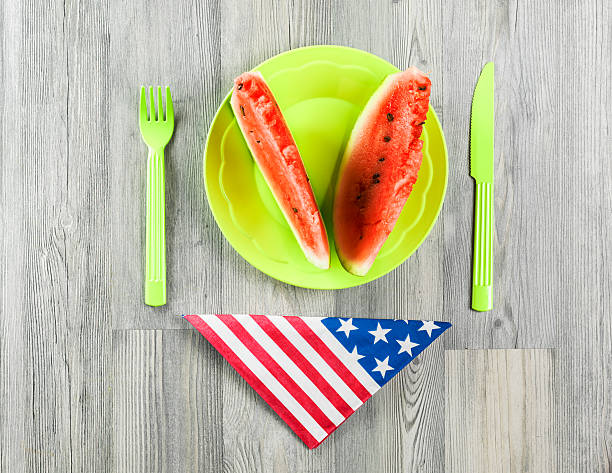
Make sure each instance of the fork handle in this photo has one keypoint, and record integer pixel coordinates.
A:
(155, 266)
(482, 281)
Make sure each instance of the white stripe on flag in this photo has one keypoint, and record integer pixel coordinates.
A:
(335, 346)
(292, 370)
(317, 361)
(265, 376)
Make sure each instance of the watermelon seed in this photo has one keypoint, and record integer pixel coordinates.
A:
(381, 159)
(358, 196)
(376, 176)
(242, 110)
(361, 237)
(258, 141)
(389, 117)
(295, 210)
(240, 86)
(387, 139)
(376, 181)
(423, 88)
(422, 123)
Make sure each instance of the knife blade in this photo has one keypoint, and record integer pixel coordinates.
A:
(482, 133)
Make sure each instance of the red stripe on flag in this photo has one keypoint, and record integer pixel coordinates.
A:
(300, 360)
(332, 360)
(253, 380)
(278, 372)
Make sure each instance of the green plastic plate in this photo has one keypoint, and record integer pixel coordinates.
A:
(321, 90)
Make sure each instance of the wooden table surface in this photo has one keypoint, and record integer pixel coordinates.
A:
(91, 379)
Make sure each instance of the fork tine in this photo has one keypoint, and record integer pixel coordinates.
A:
(160, 107)
(152, 100)
(169, 107)
(143, 104)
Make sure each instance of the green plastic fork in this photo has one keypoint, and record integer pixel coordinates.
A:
(156, 132)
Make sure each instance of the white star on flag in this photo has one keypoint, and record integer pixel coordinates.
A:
(407, 345)
(355, 355)
(428, 326)
(382, 366)
(346, 326)
(380, 333)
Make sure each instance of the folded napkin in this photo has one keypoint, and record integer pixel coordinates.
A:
(315, 372)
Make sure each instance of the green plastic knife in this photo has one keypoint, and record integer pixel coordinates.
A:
(481, 169)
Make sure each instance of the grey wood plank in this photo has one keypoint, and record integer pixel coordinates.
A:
(54, 368)
(34, 372)
(167, 402)
(489, 34)
(82, 223)
(500, 411)
(188, 59)
(583, 280)
(12, 374)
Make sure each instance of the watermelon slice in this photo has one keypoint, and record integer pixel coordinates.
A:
(379, 168)
(273, 148)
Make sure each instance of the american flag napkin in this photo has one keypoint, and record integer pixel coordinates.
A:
(315, 372)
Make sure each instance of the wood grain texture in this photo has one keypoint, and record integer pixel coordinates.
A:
(500, 411)
(167, 402)
(35, 322)
(72, 169)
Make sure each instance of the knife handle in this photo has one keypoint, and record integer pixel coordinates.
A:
(482, 279)
(155, 266)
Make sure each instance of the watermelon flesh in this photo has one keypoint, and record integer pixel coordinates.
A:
(274, 150)
(379, 167)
